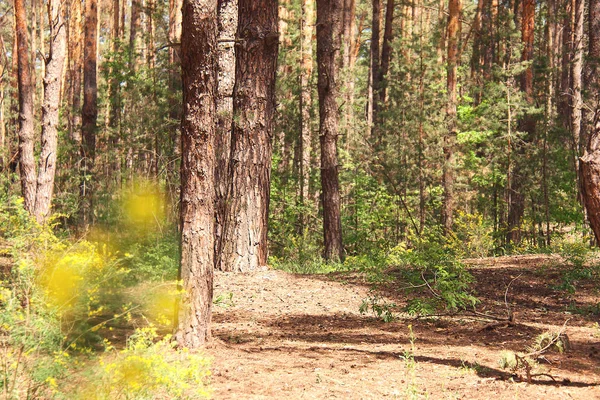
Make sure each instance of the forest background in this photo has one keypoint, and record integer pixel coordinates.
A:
(461, 127)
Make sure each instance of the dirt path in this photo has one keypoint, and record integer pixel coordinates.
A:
(302, 337)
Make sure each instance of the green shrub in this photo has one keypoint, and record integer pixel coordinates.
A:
(432, 268)
(148, 368)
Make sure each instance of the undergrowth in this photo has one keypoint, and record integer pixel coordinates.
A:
(59, 301)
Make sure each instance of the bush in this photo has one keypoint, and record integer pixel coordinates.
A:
(149, 368)
(432, 267)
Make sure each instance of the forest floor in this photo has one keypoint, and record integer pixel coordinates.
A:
(284, 336)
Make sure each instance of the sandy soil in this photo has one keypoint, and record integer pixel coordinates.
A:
(286, 336)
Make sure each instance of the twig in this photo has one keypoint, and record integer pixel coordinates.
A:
(508, 310)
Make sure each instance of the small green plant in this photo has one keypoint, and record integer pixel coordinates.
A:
(543, 343)
(377, 305)
(412, 391)
(548, 341)
(224, 300)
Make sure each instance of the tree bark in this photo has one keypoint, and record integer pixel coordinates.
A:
(348, 61)
(26, 128)
(453, 34)
(89, 113)
(328, 47)
(307, 28)
(51, 102)
(577, 86)
(174, 103)
(244, 240)
(228, 21)
(373, 88)
(386, 51)
(76, 61)
(134, 34)
(590, 162)
(526, 124)
(199, 67)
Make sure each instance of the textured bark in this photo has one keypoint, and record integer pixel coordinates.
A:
(577, 83)
(590, 162)
(114, 97)
(76, 61)
(373, 88)
(244, 240)
(174, 102)
(4, 67)
(348, 61)
(386, 50)
(453, 34)
(89, 111)
(199, 67)
(328, 47)
(307, 28)
(50, 104)
(134, 34)
(228, 21)
(563, 107)
(526, 124)
(26, 128)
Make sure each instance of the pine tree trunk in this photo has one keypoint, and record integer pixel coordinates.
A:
(26, 128)
(386, 51)
(328, 47)
(244, 240)
(590, 162)
(50, 105)
(453, 34)
(89, 113)
(577, 86)
(564, 100)
(307, 27)
(526, 124)
(134, 34)
(348, 61)
(76, 59)
(199, 66)
(174, 103)
(228, 21)
(373, 88)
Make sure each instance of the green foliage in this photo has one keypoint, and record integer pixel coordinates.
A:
(148, 368)
(376, 304)
(578, 263)
(55, 303)
(431, 267)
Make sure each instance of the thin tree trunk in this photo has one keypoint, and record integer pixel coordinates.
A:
(453, 33)
(348, 43)
(4, 68)
(174, 102)
(244, 240)
(26, 128)
(199, 65)
(386, 50)
(526, 124)
(228, 22)
(50, 105)
(76, 58)
(307, 27)
(89, 112)
(134, 34)
(577, 86)
(328, 47)
(373, 88)
(565, 78)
